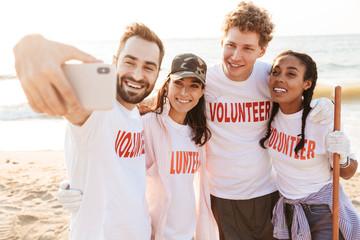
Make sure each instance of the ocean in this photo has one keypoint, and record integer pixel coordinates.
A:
(337, 58)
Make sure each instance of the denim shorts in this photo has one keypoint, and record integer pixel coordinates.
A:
(319, 217)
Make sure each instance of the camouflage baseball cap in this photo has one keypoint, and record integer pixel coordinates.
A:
(188, 65)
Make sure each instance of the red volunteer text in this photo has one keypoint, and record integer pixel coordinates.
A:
(286, 144)
(240, 112)
(183, 162)
(129, 145)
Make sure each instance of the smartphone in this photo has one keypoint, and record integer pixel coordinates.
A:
(93, 83)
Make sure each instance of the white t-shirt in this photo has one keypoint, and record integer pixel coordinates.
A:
(181, 215)
(105, 160)
(300, 176)
(238, 114)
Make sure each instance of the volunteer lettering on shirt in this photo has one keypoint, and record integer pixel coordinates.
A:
(184, 162)
(129, 145)
(239, 112)
(286, 144)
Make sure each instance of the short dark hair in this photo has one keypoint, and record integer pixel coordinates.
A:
(142, 31)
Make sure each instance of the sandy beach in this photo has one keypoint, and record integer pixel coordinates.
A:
(28, 201)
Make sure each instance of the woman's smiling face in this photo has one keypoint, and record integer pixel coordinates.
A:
(183, 95)
(287, 83)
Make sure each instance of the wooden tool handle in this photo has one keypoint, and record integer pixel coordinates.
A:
(336, 166)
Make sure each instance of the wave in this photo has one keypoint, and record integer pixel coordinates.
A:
(21, 112)
(7, 76)
(335, 66)
(350, 92)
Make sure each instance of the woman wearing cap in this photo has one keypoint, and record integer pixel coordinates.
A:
(175, 133)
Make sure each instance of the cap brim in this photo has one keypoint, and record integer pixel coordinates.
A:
(180, 75)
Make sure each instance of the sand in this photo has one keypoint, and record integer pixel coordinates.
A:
(28, 200)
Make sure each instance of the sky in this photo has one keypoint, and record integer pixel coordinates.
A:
(65, 20)
(89, 19)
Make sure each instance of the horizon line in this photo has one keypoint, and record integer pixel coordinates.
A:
(219, 37)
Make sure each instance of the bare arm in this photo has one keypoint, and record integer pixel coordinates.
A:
(38, 64)
(349, 171)
(78, 119)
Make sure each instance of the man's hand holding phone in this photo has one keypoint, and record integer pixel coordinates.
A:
(38, 63)
(94, 84)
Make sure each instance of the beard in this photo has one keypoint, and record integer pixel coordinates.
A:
(132, 97)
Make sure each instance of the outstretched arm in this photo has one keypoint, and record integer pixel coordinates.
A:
(38, 64)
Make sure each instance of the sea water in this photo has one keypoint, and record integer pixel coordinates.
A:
(337, 58)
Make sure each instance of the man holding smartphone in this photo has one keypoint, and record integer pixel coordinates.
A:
(104, 150)
(230, 82)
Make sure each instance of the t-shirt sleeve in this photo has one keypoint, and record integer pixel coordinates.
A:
(83, 136)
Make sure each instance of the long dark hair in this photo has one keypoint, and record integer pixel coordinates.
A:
(195, 118)
(310, 74)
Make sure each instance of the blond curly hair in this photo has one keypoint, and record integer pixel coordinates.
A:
(250, 18)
